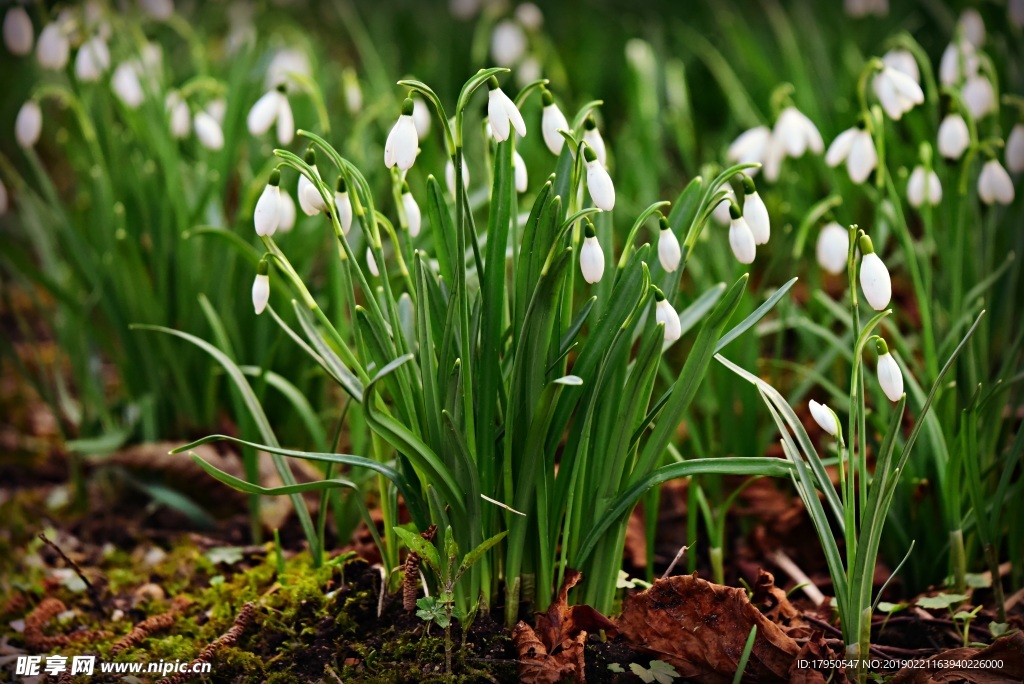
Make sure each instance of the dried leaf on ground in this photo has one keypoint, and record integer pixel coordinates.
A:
(701, 628)
(561, 622)
(775, 605)
(815, 650)
(1006, 652)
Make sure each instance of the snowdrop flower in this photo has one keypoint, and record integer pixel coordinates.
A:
(528, 71)
(284, 63)
(421, 117)
(953, 136)
(508, 43)
(721, 211)
(994, 184)
(286, 213)
(862, 8)
(412, 211)
(4, 200)
(591, 256)
(833, 248)
(28, 126)
(599, 183)
(272, 106)
(177, 111)
(208, 130)
(889, 375)
(449, 176)
(874, 277)
(593, 138)
(901, 60)
(923, 188)
(530, 16)
(18, 32)
(666, 315)
(824, 417)
(755, 212)
(750, 147)
(371, 263)
(161, 10)
(958, 62)
(92, 60)
(796, 133)
(310, 200)
(126, 84)
(1015, 149)
(267, 215)
(53, 48)
(519, 166)
(344, 204)
(856, 147)
(403, 140)
(972, 26)
(669, 252)
(217, 108)
(979, 96)
(551, 121)
(261, 287)
(897, 92)
(354, 93)
(502, 113)
(741, 239)
(464, 9)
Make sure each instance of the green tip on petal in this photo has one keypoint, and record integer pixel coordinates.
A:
(275, 178)
(492, 83)
(341, 185)
(588, 153)
(546, 97)
(881, 347)
(281, 88)
(408, 106)
(659, 296)
(865, 245)
(588, 230)
(310, 156)
(663, 222)
(748, 185)
(589, 123)
(263, 268)
(734, 211)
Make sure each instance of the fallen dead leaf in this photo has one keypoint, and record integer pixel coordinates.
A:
(815, 649)
(1007, 652)
(774, 604)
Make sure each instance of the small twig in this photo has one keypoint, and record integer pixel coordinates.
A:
(671, 566)
(383, 590)
(229, 638)
(788, 566)
(72, 564)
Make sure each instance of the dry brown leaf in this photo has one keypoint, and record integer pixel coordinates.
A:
(560, 622)
(775, 605)
(701, 629)
(537, 666)
(1007, 651)
(815, 649)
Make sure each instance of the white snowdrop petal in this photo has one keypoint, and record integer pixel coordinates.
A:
(286, 213)
(515, 117)
(371, 263)
(521, 178)
(412, 213)
(260, 293)
(497, 115)
(669, 251)
(934, 188)
(863, 158)
(833, 247)
(972, 26)
(313, 200)
(406, 143)
(28, 125)
(208, 131)
(595, 140)
(53, 49)
(664, 313)
(742, 241)
(126, 85)
(285, 122)
(839, 150)
(890, 377)
(721, 212)
(508, 43)
(995, 184)
(789, 133)
(267, 214)
(904, 62)
(343, 202)
(979, 96)
(92, 60)
(756, 215)
(421, 117)
(304, 198)
(551, 121)
(18, 32)
(750, 146)
(1015, 149)
(916, 187)
(158, 9)
(600, 186)
(824, 417)
(875, 282)
(591, 260)
(449, 176)
(954, 136)
(262, 115)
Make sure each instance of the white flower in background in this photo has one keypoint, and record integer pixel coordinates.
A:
(403, 140)
(28, 125)
(161, 10)
(18, 31)
(502, 113)
(750, 147)
(979, 96)
(591, 256)
(218, 108)
(310, 200)
(53, 49)
(353, 93)
(1015, 149)
(755, 212)
(261, 287)
(592, 136)
(599, 183)
(4, 199)
(272, 106)
(530, 16)
(267, 215)
(286, 213)
(208, 130)
(421, 117)
(833, 247)
(972, 26)
(528, 71)
(92, 60)
(412, 211)
(241, 29)
(994, 184)
(862, 8)
(903, 61)
(874, 277)
(508, 43)
(923, 187)
(552, 120)
(953, 136)
(180, 117)
(721, 210)
(824, 417)
(464, 9)
(741, 238)
(343, 203)
(371, 263)
(449, 176)
(793, 135)
(669, 252)
(889, 375)
(519, 167)
(665, 314)
(958, 62)
(1017, 12)
(897, 92)
(283, 64)
(856, 147)
(126, 84)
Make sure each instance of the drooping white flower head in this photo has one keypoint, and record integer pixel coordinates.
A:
(903, 61)
(402, 142)
(310, 200)
(741, 238)
(413, 216)
(824, 417)
(272, 106)
(218, 109)
(959, 61)
(863, 8)
(519, 167)
(890, 377)
(179, 115)
(979, 96)
(856, 147)
(796, 134)
(755, 212)
(53, 49)
(353, 93)
(449, 176)
(592, 136)
(750, 147)
(530, 16)
(286, 62)
(92, 60)
(551, 121)
(923, 187)
(343, 203)
(1015, 149)
(261, 287)
(897, 92)
(28, 125)
(721, 211)
(833, 247)
(669, 252)
(995, 184)
(267, 215)
(953, 136)
(371, 263)
(599, 183)
(421, 117)
(665, 314)
(874, 277)
(591, 255)
(127, 85)
(208, 130)
(502, 113)
(286, 213)
(508, 43)
(972, 27)
(18, 32)
(528, 71)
